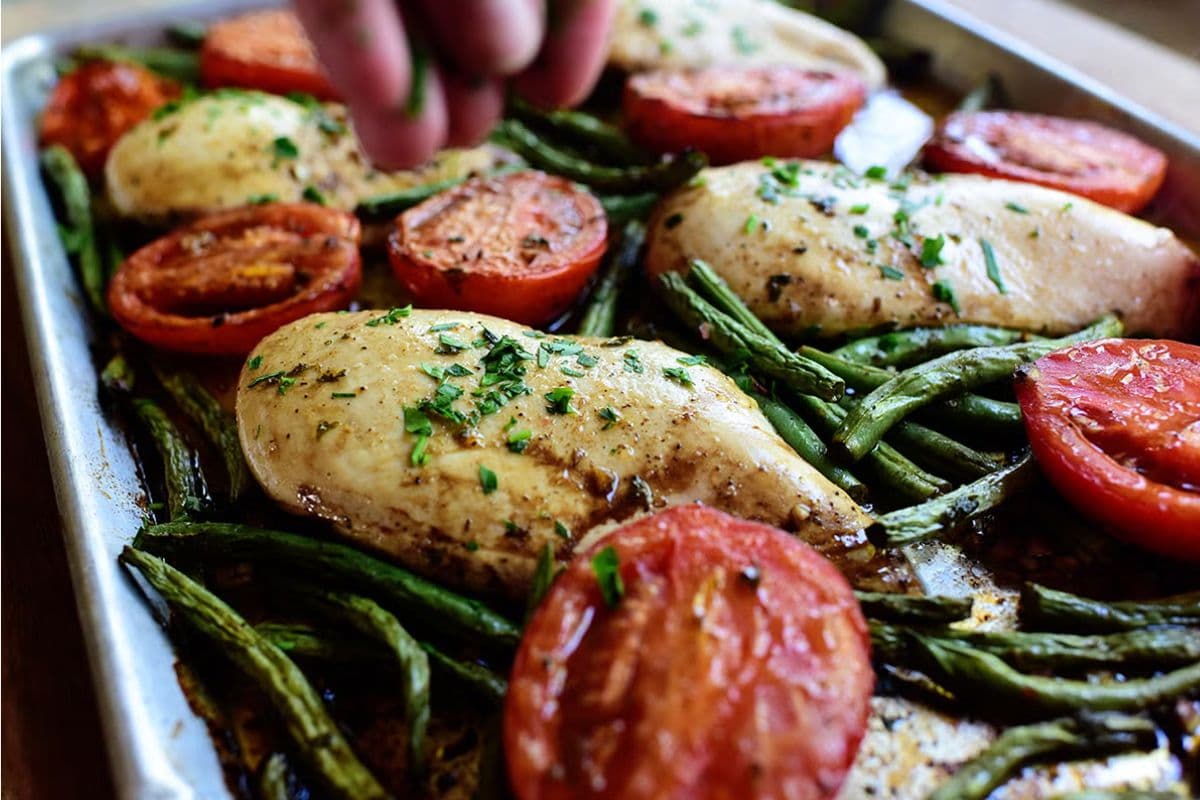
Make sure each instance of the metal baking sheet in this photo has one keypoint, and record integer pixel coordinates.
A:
(158, 748)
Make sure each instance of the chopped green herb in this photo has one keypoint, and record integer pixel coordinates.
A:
(255, 362)
(691, 361)
(417, 423)
(665, 47)
(571, 373)
(487, 479)
(876, 173)
(320, 325)
(633, 362)
(519, 440)
(586, 360)
(392, 317)
(472, 546)
(1067, 206)
(993, 269)
(1035, 233)
(610, 416)
(891, 273)
(558, 400)
(449, 344)
(648, 17)
(262, 199)
(931, 251)
(742, 41)
(692, 28)
(543, 576)
(861, 208)
(943, 292)
(342, 395)
(607, 568)
(561, 530)
(1020, 209)
(442, 403)
(679, 375)
(420, 452)
(313, 195)
(751, 224)
(512, 423)
(442, 326)
(861, 231)
(283, 147)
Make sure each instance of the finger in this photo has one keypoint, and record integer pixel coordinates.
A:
(362, 46)
(474, 105)
(573, 54)
(396, 137)
(488, 37)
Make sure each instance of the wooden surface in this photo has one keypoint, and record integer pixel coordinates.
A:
(52, 745)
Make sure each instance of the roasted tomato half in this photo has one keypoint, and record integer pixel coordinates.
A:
(1115, 426)
(265, 50)
(520, 246)
(1084, 158)
(220, 284)
(740, 113)
(690, 654)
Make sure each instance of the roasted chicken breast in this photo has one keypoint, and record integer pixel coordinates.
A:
(527, 441)
(812, 247)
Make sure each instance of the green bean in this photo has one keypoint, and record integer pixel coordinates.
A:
(386, 206)
(804, 440)
(584, 130)
(274, 780)
(976, 674)
(1153, 648)
(713, 288)
(886, 464)
(941, 454)
(600, 316)
(305, 641)
(917, 523)
(184, 482)
(317, 738)
(79, 232)
(913, 608)
(220, 427)
(187, 34)
(625, 207)
(113, 258)
(907, 348)
(118, 375)
(733, 339)
(374, 622)
(1054, 740)
(493, 774)
(1050, 609)
(543, 575)
(170, 62)
(333, 561)
(947, 375)
(660, 177)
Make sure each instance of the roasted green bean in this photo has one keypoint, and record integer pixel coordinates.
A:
(941, 454)
(386, 206)
(600, 316)
(583, 130)
(625, 207)
(185, 485)
(333, 561)
(170, 62)
(118, 375)
(913, 608)
(910, 347)
(79, 232)
(274, 779)
(187, 34)
(804, 440)
(220, 427)
(317, 738)
(1050, 609)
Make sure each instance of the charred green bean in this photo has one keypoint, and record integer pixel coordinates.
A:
(600, 316)
(220, 427)
(1051, 609)
(910, 347)
(185, 485)
(79, 232)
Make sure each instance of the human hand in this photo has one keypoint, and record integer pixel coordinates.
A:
(551, 51)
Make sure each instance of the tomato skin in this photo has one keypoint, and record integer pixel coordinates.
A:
(222, 283)
(736, 665)
(1093, 409)
(520, 246)
(1077, 156)
(739, 113)
(92, 107)
(264, 50)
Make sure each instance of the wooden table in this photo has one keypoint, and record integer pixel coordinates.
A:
(52, 744)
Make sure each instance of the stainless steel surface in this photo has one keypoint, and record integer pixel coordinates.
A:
(159, 749)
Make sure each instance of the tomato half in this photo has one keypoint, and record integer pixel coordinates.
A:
(735, 665)
(96, 104)
(1115, 426)
(520, 246)
(265, 50)
(1085, 158)
(221, 284)
(740, 113)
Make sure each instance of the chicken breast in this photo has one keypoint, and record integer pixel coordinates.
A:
(812, 247)
(581, 432)
(233, 147)
(652, 34)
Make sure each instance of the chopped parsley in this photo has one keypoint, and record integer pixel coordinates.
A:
(633, 362)
(558, 400)
(679, 375)
(561, 530)
(742, 41)
(442, 403)
(943, 292)
(752, 222)
(519, 440)
(255, 362)
(586, 361)
(993, 269)
(449, 344)
(283, 147)
(442, 326)
(262, 199)
(861, 231)
(392, 317)
(313, 195)
(607, 567)
(487, 479)
(610, 416)
(417, 423)
(543, 576)
(440, 373)
(876, 173)
(648, 17)
(282, 381)
(931, 251)
(1020, 209)
(861, 208)
(891, 273)
(571, 373)
(472, 546)
(692, 28)
(340, 395)
(691, 361)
